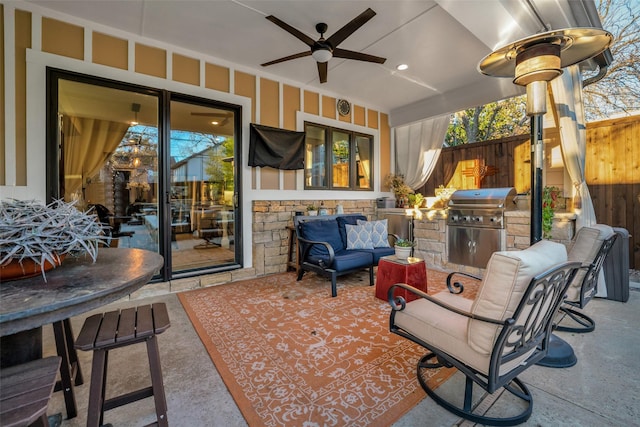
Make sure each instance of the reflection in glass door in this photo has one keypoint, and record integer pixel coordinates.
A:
(109, 159)
(202, 188)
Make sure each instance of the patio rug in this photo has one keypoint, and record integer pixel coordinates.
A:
(293, 356)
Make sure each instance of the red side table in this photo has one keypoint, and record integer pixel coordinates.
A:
(392, 270)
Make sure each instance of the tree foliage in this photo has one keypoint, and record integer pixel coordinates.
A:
(216, 167)
(619, 91)
(491, 121)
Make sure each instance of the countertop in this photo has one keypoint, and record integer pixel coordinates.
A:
(437, 213)
(564, 216)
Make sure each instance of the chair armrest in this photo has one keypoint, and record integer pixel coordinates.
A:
(456, 287)
(398, 303)
(307, 244)
(392, 237)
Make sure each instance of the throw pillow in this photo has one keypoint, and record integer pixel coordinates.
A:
(379, 232)
(358, 237)
(347, 219)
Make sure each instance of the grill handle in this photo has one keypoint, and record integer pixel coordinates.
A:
(478, 205)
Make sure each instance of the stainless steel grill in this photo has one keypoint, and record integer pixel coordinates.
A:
(476, 224)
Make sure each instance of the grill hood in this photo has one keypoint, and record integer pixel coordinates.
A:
(502, 198)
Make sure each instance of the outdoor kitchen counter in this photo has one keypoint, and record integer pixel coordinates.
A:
(561, 216)
(518, 228)
(430, 233)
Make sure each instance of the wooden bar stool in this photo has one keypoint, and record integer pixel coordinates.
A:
(108, 331)
(25, 392)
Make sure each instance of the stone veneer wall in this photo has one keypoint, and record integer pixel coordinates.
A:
(519, 226)
(430, 236)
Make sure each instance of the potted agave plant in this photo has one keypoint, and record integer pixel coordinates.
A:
(35, 238)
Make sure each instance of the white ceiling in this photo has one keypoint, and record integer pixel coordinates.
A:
(442, 41)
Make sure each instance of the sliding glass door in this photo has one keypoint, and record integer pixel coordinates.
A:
(202, 188)
(157, 167)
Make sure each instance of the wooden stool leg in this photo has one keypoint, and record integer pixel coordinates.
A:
(73, 354)
(156, 381)
(97, 388)
(66, 378)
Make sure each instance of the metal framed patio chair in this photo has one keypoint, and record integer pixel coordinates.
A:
(590, 247)
(494, 338)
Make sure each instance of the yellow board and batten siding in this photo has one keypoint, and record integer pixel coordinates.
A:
(68, 40)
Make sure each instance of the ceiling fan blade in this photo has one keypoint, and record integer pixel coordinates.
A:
(344, 32)
(293, 31)
(287, 58)
(322, 71)
(349, 54)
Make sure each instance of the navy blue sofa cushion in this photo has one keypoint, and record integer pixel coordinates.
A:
(345, 260)
(323, 231)
(378, 253)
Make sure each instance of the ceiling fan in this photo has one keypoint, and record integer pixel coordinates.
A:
(322, 50)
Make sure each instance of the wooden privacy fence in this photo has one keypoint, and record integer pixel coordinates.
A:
(612, 171)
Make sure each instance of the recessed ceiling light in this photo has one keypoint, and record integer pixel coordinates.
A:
(215, 123)
(402, 67)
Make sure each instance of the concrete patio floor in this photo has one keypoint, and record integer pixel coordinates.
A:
(600, 390)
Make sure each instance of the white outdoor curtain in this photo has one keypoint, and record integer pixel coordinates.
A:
(418, 147)
(567, 95)
(88, 144)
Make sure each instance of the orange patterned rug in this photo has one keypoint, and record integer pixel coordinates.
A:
(291, 355)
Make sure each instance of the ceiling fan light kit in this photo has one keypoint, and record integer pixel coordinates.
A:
(322, 55)
(322, 50)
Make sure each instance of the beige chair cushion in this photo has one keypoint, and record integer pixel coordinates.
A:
(506, 279)
(584, 249)
(447, 330)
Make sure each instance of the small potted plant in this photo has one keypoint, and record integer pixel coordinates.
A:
(416, 200)
(312, 210)
(403, 248)
(35, 237)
